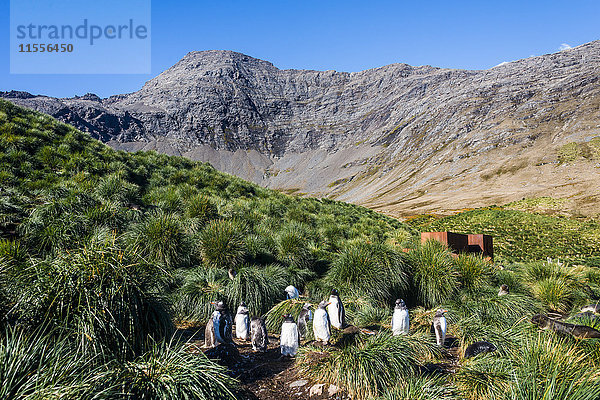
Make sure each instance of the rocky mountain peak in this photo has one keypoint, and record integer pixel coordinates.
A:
(423, 137)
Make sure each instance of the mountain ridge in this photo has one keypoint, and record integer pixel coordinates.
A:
(396, 138)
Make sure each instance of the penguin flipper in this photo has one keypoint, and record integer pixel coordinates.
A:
(341, 314)
(439, 333)
(209, 340)
(227, 330)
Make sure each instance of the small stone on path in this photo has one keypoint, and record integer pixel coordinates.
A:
(316, 390)
(298, 383)
(332, 390)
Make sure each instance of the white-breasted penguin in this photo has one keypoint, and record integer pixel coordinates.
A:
(400, 319)
(503, 290)
(335, 309)
(321, 323)
(292, 292)
(218, 329)
(242, 322)
(260, 338)
(289, 339)
(439, 326)
(595, 308)
(231, 273)
(303, 318)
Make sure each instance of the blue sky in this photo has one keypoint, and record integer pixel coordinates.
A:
(341, 35)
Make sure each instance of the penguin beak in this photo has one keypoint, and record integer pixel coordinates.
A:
(329, 303)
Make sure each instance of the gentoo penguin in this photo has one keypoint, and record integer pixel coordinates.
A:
(335, 309)
(400, 319)
(595, 308)
(478, 348)
(231, 273)
(303, 318)
(292, 292)
(321, 327)
(503, 290)
(439, 326)
(218, 328)
(260, 338)
(289, 339)
(242, 322)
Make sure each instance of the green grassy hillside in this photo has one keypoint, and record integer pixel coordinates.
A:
(104, 253)
(521, 235)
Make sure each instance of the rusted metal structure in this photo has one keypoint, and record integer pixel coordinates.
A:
(456, 242)
(461, 243)
(482, 244)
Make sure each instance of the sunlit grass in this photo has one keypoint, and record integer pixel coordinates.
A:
(370, 366)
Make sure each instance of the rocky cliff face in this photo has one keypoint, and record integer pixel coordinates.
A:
(398, 138)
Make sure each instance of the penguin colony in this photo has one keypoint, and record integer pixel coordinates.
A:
(332, 313)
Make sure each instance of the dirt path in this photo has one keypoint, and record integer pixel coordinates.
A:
(263, 376)
(268, 376)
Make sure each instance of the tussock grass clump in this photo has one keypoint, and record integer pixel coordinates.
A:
(553, 368)
(368, 315)
(115, 189)
(556, 293)
(200, 286)
(59, 224)
(474, 273)
(558, 286)
(420, 388)
(399, 238)
(290, 306)
(222, 243)
(170, 371)
(374, 271)
(41, 365)
(259, 287)
(292, 244)
(102, 296)
(434, 276)
(201, 207)
(369, 367)
(485, 377)
(161, 238)
(261, 247)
